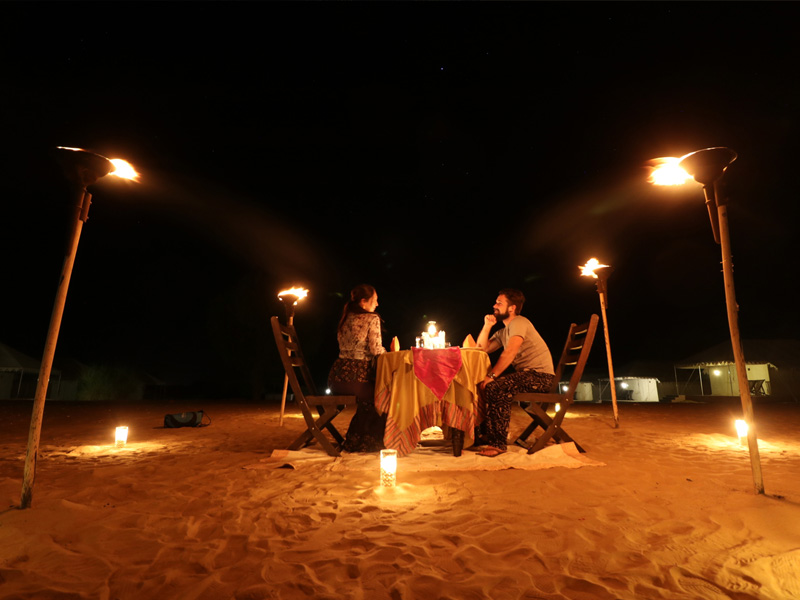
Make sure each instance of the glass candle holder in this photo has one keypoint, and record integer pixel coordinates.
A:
(121, 437)
(741, 431)
(388, 468)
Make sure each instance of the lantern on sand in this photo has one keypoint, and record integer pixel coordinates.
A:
(388, 468)
(121, 437)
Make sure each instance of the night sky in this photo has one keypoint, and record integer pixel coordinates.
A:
(439, 151)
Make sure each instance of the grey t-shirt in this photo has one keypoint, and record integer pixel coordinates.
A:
(533, 353)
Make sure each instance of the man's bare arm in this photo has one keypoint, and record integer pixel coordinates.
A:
(483, 337)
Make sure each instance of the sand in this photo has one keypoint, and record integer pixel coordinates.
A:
(670, 512)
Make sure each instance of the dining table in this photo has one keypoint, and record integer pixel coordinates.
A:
(421, 388)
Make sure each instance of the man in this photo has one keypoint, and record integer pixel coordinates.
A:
(525, 351)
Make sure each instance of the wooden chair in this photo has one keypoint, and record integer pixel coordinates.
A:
(306, 396)
(573, 358)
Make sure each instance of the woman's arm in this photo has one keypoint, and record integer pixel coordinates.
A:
(374, 339)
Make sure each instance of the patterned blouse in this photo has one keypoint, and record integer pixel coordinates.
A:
(360, 337)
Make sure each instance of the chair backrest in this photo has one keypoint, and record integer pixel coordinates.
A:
(573, 358)
(294, 363)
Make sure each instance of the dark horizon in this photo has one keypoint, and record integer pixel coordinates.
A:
(439, 153)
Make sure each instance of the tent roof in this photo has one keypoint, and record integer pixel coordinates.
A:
(776, 353)
(14, 360)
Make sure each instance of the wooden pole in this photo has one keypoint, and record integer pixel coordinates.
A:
(738, 353)
(290, 319)
(608, 354)
(85, 199)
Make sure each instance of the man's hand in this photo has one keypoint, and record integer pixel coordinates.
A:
(483, 336)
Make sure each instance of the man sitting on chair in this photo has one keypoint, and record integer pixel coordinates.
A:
(525, 351)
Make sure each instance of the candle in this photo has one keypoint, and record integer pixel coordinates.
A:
(121, 437)
(388, 468)
(741, 431)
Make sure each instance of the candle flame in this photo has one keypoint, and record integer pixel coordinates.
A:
(741, 428)
(300, 293)
(667, 171)
(588, 269)
(123, 169)
(432, 328)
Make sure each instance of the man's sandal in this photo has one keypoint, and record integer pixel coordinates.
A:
(491, 452)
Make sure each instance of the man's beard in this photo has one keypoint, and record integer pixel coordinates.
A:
(501, 316)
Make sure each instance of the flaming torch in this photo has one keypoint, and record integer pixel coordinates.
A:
(290, 298)
(590, 270)
(82, 169)
(707, 167)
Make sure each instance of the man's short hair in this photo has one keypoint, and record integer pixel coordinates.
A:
(514, 297)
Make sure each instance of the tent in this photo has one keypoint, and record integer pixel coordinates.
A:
(18, 373)
(583, 393)
(773, 367)
(631, 389)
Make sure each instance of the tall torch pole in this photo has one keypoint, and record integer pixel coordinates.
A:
(602, 290)
(289, 299)
(708, 166)
(83, 169)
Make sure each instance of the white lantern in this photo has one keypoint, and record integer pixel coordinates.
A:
(388, 468)
(432, 330)
(121, 437)
(741, 431)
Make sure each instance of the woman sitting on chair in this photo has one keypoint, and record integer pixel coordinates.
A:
(353, 373)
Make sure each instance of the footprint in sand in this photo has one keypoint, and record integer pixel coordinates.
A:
(697, 587)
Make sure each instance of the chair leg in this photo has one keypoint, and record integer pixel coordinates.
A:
(303, 440)
(539, 418)
(542, 441)
(315, 432)
(553, 431)
(327, 424)
(522, 438)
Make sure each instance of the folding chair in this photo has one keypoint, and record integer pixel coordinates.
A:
(574, 357)
(328, 407)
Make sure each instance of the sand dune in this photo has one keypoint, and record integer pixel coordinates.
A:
(177, 513)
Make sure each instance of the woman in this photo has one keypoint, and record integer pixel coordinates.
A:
(353, 373)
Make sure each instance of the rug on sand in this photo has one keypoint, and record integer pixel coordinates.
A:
(434, 458)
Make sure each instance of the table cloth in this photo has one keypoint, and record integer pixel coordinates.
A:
(421, 388)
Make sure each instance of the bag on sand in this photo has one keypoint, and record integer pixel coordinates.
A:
(195, 418)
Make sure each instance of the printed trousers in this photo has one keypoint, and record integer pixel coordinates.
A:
(497, 397)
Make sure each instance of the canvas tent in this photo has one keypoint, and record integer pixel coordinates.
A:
(19, 373)
(773, 367)
(583, 393)
(631, 389)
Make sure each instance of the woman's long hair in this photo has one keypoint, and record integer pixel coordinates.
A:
(357, 294)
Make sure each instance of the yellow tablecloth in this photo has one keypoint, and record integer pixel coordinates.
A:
(412, 407)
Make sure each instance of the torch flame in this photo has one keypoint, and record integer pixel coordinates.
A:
(667, 171)
(299, 293)
(588, 269)
(123, 169)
